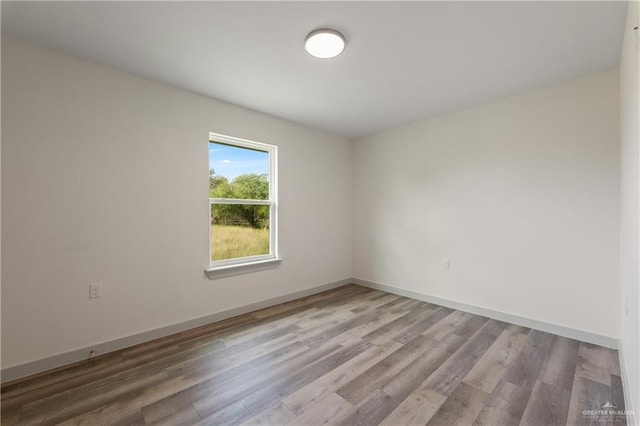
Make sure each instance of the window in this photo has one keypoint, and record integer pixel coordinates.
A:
(242, 199)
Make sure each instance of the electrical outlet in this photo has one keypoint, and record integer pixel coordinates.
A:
(447, 264)
(95, 290)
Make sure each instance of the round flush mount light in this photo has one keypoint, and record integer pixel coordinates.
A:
(324, 43)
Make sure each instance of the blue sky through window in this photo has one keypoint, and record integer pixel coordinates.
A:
(232, 161)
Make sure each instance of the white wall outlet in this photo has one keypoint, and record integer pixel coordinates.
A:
(95, 290)
(447, 264)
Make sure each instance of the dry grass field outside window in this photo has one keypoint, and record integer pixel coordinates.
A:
(230, 242)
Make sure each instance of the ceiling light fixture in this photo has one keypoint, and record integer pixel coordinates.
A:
(324, 43)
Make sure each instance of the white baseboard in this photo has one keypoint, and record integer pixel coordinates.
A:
(632, 419)
(583, 336)
(22, 370)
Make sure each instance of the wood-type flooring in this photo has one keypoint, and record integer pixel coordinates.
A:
(348, 356)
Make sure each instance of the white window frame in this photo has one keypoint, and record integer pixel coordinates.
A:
(249, 262)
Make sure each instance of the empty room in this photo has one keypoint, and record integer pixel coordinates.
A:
(310, 213)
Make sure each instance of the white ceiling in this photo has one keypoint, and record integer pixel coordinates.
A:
(404, 60)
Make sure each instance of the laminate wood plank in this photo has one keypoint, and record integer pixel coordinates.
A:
(215, 337)
(235, 390)
(469, 327)
(227, 385)
(235, 367)
(85, 386)
(315, 391)
(392, 393)
(233, 414)
(264, 335)
(54, 387)
(354, 334)
(220, 357)
(614, 363)
(161, 352)
(278, 415)
(222, 360)
(333, 409)
(384, 304)
(209, 333)
(451, 343)
(320, 315)
(396, 305)
(105, 364)
(505, 406)
(204, 331)
(447, 377)
(345, 299)
(414, 305)
(249, 331)
(525, 369)
(416, 374)
(617, 399)
(548, 405)
(333, 297)
(279, 389)
(185, 416)
(356, 301)
(115, 410)
(488, 371)
(560, 365)
(617, 394)
(170, 405)
(395, 327)
(285, 309)
(461, 407)
(445, 327)
(265, 328)
(57, 410)
(587, 395)
(185, 355)
(327, 316)
(376, 302)
(10, 419)
(213, 377)
(367, 382)
(215, 381)
(593, 363)
(415, 409)
(378, 294)
(341, 328)
(133, 419)
(170, 411)
(361, 414)
(359, 388)
(145, 350)
(404, 304)
(318, 327)
(436, 315)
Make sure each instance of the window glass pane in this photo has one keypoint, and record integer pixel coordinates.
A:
(239, 230)
(236, 172)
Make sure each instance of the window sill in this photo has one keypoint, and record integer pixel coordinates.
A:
(241, 268)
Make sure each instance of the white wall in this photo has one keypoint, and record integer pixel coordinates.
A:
(630, 212)
(521, 194)
(105, 179)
